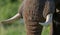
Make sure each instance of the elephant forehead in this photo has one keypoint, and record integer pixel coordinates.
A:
(33, 10)
(33, 15)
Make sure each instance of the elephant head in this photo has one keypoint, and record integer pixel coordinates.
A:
(48, 11)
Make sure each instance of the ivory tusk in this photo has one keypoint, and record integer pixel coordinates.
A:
(48, 20)
(17, 16)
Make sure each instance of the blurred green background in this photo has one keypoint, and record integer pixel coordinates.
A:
(9, 8)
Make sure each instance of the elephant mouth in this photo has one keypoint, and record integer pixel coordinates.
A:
(48, 20)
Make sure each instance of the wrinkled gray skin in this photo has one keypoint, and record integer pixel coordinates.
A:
(48, 8)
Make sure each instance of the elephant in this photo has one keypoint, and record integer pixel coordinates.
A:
(36, 14)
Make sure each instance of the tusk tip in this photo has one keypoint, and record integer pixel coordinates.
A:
(44, 24)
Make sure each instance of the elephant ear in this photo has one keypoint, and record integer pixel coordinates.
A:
(48, 8)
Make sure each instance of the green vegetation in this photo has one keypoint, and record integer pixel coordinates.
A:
(9, 8)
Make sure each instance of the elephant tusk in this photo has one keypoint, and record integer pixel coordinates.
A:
(48, 20)
(17, 16)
